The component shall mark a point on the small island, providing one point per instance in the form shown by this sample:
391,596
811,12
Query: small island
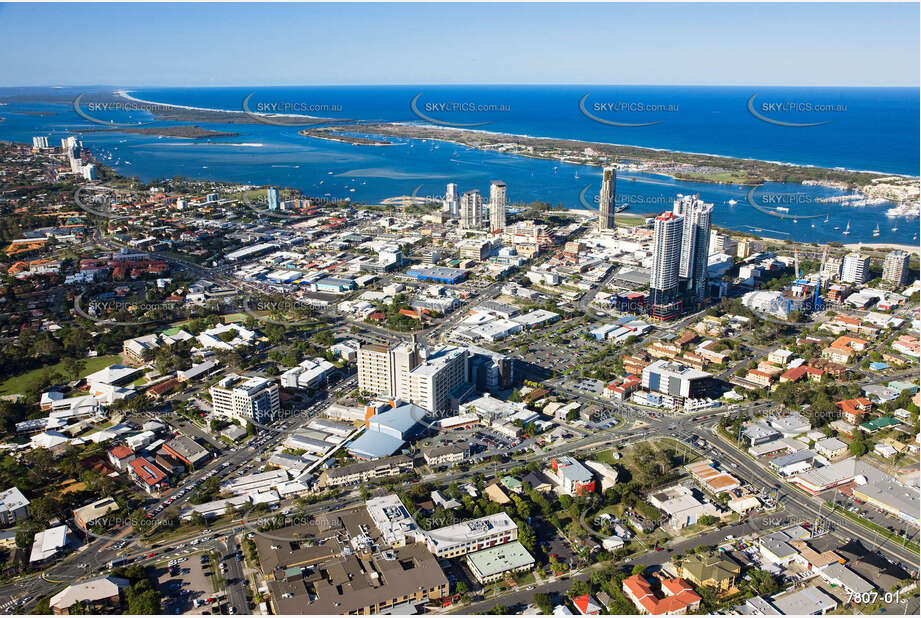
180,131
333,134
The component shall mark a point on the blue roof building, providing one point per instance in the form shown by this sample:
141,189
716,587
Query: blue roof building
387,432
402,422
439,274
374,445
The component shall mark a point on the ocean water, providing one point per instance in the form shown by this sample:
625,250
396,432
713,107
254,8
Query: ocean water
269,154
867,129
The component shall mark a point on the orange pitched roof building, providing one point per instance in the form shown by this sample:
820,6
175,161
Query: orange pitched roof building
679,598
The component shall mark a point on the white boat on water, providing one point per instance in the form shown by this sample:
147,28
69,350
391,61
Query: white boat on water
732,202
847,230
876,231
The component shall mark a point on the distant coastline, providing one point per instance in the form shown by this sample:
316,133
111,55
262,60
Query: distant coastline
207,114
680,165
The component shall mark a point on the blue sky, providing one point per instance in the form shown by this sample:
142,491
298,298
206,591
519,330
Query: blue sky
258,44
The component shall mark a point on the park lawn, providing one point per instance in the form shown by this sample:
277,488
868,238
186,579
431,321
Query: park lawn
32,379
629,220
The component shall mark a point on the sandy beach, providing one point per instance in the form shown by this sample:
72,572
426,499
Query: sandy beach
884,245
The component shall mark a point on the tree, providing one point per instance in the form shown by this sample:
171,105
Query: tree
542,601
24,538
579,588
144,603
527,537
857,447
638,569
706,520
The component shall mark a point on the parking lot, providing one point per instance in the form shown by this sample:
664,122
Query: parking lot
186,585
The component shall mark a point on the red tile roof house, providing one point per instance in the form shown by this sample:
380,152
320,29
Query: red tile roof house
793,375
148,476
120,456
587,605
853,410
679,598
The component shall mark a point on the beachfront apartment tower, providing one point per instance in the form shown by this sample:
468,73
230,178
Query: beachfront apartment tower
606,205
895,268
471,210
666,257
497,203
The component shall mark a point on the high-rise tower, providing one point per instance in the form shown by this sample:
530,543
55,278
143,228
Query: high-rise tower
497,202
695,242
471,210
666,255
606,199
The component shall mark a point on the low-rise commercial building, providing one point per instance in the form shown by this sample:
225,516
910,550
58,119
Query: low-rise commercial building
900,500
470,536
98,596
682,507
489,565
366,471
187,450
446,455
87,515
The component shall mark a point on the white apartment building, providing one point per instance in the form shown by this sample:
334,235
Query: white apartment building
451,201
895,268
246,399
497,203
855,268
471,210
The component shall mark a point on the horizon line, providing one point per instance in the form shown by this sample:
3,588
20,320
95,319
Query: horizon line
451,84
